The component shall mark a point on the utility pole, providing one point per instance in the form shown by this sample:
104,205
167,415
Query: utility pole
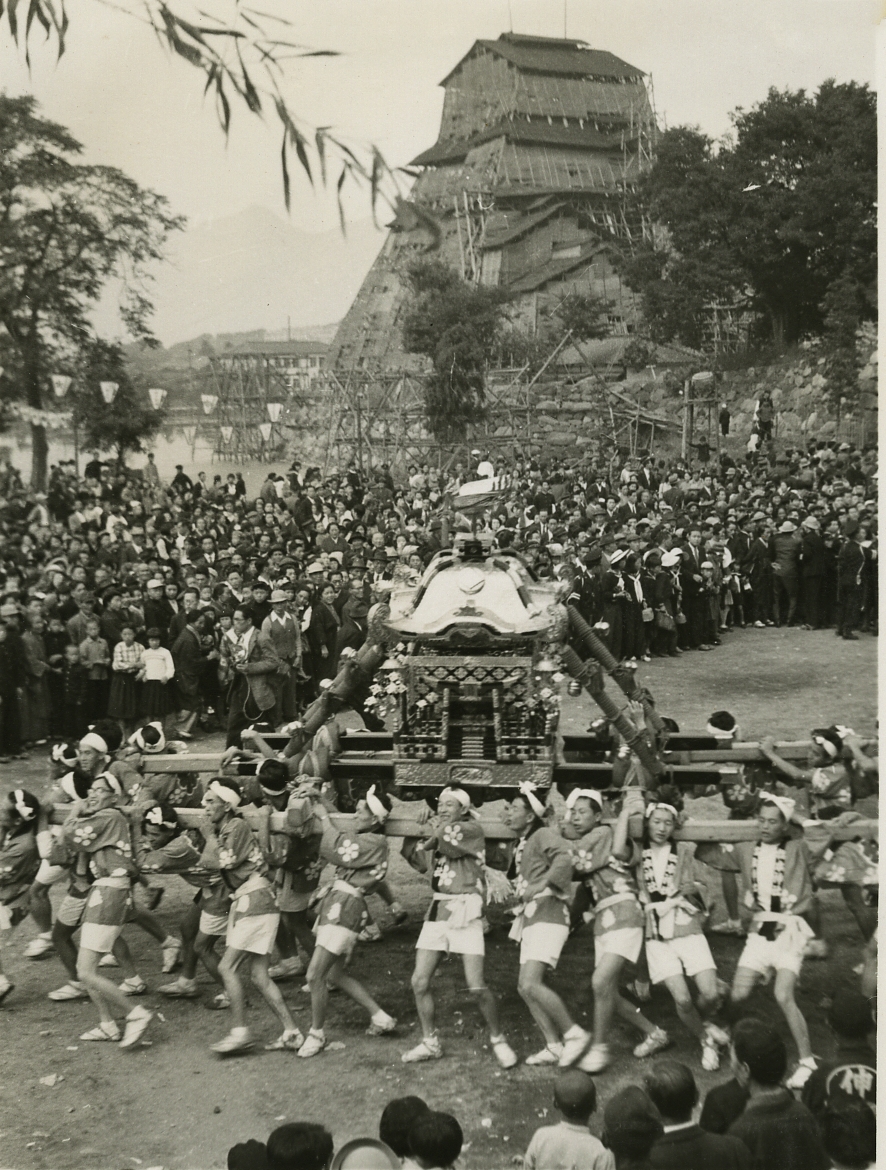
360,430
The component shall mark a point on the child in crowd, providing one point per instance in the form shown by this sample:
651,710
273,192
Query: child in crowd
570,1143
75,693
96,657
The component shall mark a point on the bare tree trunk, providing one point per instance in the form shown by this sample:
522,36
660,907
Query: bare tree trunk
39,445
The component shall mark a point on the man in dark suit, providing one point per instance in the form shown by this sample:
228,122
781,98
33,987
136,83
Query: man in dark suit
850,564
812,571
684,1145
252,695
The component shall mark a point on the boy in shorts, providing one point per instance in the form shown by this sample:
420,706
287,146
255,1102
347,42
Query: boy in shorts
454,923
603,858
779,891
361,862
232,850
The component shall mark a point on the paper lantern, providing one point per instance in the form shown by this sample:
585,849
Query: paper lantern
109,391
157,397
190,434
209,401
274,410
265,429
227,433
60,384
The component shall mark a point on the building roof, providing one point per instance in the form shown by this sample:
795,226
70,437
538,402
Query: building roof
519,130
557,266
277,349
553,56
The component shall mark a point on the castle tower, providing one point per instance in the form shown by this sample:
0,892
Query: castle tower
525,189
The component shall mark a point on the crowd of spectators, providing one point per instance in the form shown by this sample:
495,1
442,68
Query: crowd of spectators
751,1122
126,596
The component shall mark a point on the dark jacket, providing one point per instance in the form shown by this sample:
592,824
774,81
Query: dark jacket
781,1134
723,1105
812,554
694,1149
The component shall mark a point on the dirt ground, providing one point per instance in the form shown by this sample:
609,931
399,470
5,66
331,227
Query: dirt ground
173,1104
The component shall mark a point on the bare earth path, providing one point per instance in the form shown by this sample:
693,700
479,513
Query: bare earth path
174,1105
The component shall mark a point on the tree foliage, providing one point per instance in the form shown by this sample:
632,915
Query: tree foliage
66,231
129,421
843,308
770,217
456,326
241,54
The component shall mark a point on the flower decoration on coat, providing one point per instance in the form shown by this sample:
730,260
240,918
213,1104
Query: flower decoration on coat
348,851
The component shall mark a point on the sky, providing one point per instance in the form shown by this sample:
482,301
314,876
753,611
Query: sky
134,107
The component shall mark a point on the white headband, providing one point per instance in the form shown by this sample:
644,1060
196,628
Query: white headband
138,739
228,795
112,781
527,790
584,794
459,794
24,810
375,806
68,786
784,804
719,732
656,804
93,740
154,816
830,748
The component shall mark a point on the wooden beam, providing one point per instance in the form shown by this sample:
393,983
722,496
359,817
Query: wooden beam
400,824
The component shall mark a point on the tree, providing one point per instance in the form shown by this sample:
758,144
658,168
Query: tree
241,55
842,307
769,217
456,326
66,231
126,423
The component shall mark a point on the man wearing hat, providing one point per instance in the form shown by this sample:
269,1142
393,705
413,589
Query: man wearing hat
282,631
812,571
785,548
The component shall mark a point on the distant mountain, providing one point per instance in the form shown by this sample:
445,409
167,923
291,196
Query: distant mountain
253,270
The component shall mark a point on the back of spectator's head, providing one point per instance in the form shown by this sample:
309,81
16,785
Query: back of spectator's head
672,1090
575,1095
396,1120
251,1155
435,1140
299,1145
760,1048
365,1154
849,1135
850,1014
631,1124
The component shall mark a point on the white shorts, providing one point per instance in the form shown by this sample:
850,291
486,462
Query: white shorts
454,940
97,936
763,956
71,909
626,942
254,933
338,940
542,943
213,924
48,875
688,955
